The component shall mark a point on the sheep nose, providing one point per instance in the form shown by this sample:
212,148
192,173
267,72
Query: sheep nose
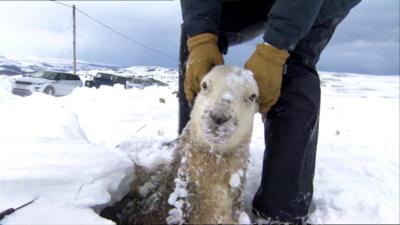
219,119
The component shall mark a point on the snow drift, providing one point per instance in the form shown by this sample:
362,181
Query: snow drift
76,153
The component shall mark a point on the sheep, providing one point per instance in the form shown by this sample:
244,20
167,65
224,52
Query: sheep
204,183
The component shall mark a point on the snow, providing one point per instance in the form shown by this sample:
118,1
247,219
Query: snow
77,153
146,188
234,181
244,218
177,198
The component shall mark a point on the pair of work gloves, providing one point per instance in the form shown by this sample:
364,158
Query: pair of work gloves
266,63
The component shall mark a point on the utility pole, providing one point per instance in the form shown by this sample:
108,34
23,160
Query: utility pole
74,37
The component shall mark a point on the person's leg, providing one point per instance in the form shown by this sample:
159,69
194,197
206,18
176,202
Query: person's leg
184,108
291,133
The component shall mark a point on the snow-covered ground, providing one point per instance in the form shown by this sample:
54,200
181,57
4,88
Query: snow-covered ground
76,153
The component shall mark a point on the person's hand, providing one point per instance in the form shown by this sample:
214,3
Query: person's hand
203,55
266,63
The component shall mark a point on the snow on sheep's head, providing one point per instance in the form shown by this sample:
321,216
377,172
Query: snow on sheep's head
224,109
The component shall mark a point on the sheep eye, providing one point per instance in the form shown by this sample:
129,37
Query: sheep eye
204,86
252,97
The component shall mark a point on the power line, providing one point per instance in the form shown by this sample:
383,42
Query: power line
125,36
116,31
61,3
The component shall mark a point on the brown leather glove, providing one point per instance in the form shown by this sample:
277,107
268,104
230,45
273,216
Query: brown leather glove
266,63
203,55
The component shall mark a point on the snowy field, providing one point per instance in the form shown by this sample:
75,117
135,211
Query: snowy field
76,153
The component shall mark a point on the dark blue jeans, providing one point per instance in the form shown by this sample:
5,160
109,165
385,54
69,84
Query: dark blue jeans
291,130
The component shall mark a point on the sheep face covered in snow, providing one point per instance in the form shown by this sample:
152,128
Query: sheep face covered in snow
224,108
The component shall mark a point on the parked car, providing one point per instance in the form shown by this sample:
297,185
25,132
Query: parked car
48,82
143,82
106,79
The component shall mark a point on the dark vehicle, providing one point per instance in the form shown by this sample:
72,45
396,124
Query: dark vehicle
143,82
106,79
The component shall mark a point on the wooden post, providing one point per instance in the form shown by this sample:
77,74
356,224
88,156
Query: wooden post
74,37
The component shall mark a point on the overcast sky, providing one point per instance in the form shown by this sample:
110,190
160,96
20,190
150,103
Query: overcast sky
367,41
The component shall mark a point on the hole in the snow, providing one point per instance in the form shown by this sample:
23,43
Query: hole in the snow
146,199
113,212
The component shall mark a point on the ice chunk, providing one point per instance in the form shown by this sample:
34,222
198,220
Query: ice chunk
175,216
145,188
234,181
244,218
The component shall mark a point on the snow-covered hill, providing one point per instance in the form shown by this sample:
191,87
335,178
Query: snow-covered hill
76,153
17,65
